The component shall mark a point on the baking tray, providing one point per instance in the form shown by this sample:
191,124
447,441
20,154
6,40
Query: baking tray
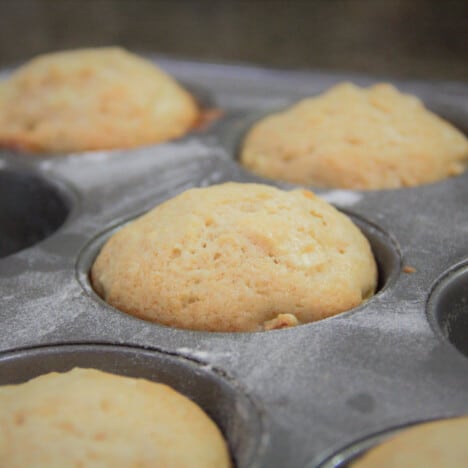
287,398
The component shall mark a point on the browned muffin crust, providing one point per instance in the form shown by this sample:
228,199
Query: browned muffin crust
91,99
349,137
237,257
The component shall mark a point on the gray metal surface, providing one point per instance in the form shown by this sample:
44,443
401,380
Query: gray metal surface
319,387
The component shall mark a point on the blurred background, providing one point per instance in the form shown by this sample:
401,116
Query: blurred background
400,38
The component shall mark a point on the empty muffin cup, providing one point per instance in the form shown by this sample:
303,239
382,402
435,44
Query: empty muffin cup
31,209
448,307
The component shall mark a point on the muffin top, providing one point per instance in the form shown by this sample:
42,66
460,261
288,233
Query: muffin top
91,99
236,257
91,418
349,137
430,445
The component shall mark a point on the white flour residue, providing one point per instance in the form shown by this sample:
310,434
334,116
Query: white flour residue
98,168
52,302
201,355
342,197
76,159
214,178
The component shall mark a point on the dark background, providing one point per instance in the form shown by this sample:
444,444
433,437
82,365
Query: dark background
401,38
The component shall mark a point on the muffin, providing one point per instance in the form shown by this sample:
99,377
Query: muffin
237,257
91,418
355,138
431,445
91,99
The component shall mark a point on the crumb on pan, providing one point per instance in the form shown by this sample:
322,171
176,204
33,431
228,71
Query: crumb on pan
409,269
207,117
281,321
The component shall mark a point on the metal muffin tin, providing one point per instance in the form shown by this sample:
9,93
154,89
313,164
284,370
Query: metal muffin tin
287,398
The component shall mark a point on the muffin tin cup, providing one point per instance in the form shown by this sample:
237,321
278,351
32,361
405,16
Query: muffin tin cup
234,413
345,457
32,207
316,388
448,307
234,133
349,454
384,247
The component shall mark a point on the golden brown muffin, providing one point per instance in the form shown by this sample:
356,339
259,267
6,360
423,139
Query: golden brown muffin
91,99
356,138
437,444
236,257
88,418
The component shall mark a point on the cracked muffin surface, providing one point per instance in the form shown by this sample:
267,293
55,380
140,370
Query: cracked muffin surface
237,257
91,99
90,418
355,138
